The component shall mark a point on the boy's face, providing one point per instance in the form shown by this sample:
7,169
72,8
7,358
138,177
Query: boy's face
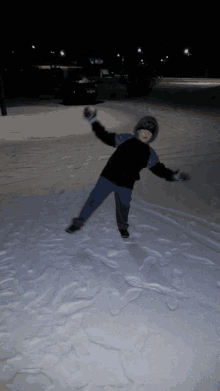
144,135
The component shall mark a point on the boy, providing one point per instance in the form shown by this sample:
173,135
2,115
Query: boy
122,169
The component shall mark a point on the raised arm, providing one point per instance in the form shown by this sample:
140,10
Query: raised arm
98,129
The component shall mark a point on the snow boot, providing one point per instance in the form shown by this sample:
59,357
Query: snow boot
72,228
124,233
75,226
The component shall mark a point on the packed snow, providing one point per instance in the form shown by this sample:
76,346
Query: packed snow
93,311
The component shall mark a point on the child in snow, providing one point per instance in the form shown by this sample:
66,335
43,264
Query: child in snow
133,153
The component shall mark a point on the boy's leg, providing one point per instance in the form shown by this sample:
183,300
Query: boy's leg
122,202
102,189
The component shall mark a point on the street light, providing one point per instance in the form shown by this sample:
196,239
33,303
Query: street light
122,63
62,53
186,51
51,65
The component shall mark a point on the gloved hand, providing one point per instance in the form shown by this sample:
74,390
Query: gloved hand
89,114
180,176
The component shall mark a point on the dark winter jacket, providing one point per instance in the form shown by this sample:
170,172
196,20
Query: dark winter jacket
131,156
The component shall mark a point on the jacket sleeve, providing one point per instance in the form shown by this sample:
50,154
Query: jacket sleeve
161,171
158,168
103,134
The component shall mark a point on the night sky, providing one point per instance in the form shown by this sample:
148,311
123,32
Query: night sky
104,29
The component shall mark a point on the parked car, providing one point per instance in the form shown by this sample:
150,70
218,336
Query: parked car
80,90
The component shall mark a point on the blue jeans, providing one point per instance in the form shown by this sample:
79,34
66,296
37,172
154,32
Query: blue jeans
100,192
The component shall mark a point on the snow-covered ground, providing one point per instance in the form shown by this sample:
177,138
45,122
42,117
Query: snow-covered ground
93,311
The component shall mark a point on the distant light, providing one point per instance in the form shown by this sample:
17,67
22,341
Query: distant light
118,55
33,47
186,51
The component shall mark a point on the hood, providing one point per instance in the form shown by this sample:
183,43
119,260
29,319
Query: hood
143,122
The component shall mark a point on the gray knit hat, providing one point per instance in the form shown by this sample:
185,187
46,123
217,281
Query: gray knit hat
149,123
